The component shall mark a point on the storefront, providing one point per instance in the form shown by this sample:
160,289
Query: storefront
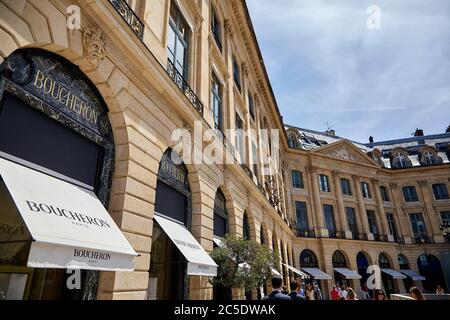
56,166
176,254
342,274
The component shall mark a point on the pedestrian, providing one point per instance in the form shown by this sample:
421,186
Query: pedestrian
277,285
284,290
416,294
379,295
365,292
343,293
310,292
439,290
334,294
295,293
351,295
317,293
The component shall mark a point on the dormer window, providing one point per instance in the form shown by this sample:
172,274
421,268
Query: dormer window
429,157
400,159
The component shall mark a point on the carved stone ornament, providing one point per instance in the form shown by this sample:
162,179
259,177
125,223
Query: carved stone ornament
343,153
94,45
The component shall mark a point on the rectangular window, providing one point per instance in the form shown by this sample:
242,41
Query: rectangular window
345,185
236,74
329,219
240,137
297,179
365,190
177,45
216,101
384,193
302,216
445,216
418,227
251,106
372,221
410,194
440,191
255,159
392,226
323,183
216,29
351,220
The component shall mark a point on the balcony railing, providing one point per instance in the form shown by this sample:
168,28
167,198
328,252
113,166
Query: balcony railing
306,233
422,239
178,78
227,144
380,237
247,170
129,16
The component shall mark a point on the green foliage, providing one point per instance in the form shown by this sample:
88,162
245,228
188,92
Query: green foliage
243,264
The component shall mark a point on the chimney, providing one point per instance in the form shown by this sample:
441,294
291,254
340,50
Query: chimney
330,132
448,129
370,139
418,133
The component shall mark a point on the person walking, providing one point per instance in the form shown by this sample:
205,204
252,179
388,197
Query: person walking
310,292
334,294
277,286
416,294
379,295
439,290
351,295
295,293
343,293
317,293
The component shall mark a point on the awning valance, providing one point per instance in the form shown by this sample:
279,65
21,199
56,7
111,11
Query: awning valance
394,274
413,275
347,273
295,270
67,225
199,261
316,273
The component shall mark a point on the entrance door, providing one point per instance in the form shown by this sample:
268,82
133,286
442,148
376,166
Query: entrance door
430,268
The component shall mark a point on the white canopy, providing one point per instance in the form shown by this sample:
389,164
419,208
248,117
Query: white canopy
413,275
199,261
295,270
316,273
394,274
69,226
347,273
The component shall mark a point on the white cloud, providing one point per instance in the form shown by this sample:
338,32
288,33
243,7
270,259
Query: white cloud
321,57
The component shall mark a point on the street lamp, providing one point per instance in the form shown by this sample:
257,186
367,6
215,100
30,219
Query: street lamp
445,227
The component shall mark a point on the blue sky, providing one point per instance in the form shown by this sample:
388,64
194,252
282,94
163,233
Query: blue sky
326,65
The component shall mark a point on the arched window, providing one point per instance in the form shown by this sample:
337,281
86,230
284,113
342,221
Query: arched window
403,262
246,228
308,259
400,159
429,157
220,215
383,261
377,156
339,260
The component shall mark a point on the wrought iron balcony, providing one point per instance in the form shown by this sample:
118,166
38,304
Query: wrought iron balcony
360,236
306,233
380,237
225,141
129,16
247,170
422,239
178,78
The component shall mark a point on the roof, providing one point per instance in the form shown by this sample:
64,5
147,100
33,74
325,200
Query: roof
310,140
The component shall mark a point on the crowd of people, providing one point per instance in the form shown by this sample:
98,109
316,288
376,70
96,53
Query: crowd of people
312,292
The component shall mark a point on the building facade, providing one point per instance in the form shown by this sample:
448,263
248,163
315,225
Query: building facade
120,82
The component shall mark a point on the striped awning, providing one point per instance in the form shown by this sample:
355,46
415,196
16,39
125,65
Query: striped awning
295,270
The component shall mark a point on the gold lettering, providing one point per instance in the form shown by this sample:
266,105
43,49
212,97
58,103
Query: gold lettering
60,97
51,84
70,98
39,77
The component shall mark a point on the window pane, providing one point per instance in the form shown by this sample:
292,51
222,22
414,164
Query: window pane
302,218
329,217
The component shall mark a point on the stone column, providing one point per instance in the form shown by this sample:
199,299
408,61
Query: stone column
321,231
381,213
342,219
362,208
431,215
403,225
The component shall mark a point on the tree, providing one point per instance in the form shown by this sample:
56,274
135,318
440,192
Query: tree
243,263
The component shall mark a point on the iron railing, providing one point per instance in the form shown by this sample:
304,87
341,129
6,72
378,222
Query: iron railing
129,16
422,239
247,170
306,233
380,237
178,78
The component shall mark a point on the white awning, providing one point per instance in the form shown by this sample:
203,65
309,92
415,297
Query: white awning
69,226
394,274
316,273
218,241
295,270
413,275
275,272
347,273
199,261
